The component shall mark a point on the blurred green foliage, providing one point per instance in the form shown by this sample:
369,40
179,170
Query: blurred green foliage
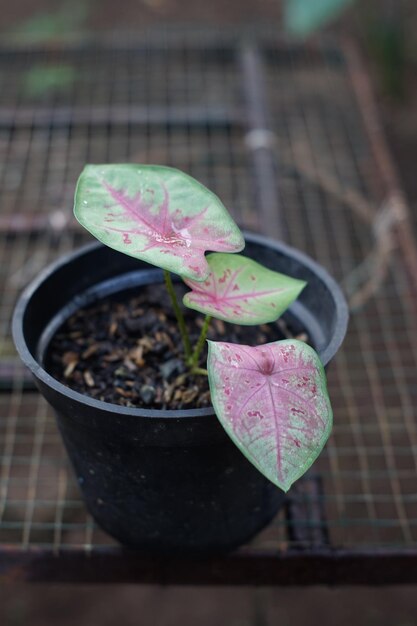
303,17
59,24
387,44
41,80
380,25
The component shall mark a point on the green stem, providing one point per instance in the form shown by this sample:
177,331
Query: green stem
200,342
199,370
180,318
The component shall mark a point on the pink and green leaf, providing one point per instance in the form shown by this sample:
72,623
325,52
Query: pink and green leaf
157,214
241,290
272,401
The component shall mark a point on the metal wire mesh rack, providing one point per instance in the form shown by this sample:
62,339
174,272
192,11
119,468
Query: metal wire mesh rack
288,137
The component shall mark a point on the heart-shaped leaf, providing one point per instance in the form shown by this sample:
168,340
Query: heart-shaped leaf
157,214
240,290
272,401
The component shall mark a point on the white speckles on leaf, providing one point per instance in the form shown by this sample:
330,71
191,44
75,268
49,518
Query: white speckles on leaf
240,290
280,415
157,214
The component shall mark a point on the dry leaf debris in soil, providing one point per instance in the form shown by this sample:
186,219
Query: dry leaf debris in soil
128,351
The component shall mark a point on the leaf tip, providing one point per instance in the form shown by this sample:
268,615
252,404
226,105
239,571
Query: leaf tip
285,488
284,485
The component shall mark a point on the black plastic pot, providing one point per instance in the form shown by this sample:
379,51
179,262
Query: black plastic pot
162,481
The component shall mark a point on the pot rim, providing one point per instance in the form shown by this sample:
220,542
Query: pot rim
342,315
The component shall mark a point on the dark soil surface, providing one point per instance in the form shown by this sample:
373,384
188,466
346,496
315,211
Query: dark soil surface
128,351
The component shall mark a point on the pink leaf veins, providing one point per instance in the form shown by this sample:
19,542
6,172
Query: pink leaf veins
272,400
157,214
241,290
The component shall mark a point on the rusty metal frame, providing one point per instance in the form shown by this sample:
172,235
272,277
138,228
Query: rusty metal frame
318,567
364,93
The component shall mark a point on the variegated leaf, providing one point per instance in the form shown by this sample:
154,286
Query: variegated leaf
272,400
241,290
157,214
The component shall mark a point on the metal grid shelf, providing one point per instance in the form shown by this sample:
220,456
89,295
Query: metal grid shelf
233,112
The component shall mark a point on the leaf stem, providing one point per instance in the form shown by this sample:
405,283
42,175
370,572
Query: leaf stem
180,317
199,370
200,342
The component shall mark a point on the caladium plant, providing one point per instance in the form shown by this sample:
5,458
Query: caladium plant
271,399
